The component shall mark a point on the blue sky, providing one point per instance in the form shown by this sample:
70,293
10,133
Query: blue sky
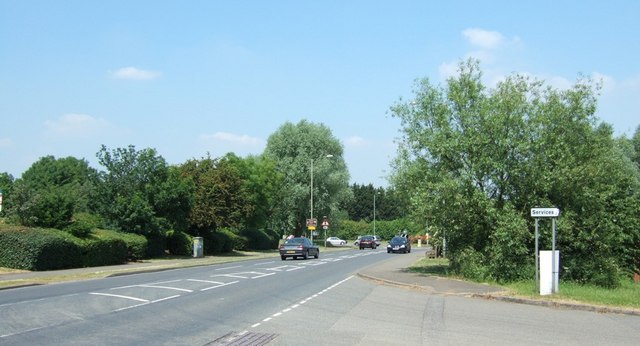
195,77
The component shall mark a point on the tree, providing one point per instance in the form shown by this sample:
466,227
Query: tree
295,148
262,183
473,161
139,193
388,203
220,199
52,190
6,188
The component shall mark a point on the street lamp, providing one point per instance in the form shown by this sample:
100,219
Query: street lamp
311,199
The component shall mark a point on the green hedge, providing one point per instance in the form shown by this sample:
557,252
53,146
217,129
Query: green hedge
41,249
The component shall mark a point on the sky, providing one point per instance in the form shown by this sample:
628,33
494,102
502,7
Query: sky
192,78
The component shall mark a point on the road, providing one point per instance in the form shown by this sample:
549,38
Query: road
318,301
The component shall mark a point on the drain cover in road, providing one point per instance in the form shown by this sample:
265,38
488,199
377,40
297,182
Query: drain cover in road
243,339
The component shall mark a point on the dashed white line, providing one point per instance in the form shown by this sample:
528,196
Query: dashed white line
300,303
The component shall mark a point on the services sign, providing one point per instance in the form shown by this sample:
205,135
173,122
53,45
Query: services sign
545,212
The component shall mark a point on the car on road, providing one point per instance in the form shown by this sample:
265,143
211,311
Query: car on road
399,244
335,241
367,241
299,247
375,238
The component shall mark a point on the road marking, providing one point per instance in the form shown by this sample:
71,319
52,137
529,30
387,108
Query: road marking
119,296
277,314
221,285
167,288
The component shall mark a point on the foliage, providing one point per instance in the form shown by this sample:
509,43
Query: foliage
39,249
6,188
83,224
259,239
473,161
51,191
179,243
388,204
140,194
220,196
103,249
297,149
136,244
262,183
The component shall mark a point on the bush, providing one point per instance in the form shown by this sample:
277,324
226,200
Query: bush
470,264
136,244
103,249
39,249
83,224
258,240
179,243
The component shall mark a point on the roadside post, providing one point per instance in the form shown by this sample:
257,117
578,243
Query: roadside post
325,227
553,256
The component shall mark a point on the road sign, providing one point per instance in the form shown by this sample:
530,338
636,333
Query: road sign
545,212
325,222
312,223
325,226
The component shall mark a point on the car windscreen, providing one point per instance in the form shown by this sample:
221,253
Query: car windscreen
397,241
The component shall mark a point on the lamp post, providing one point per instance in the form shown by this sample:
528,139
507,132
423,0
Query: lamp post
311,198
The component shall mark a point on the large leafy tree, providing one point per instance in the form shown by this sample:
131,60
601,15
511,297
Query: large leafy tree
474,160
6,188
262,183
52,190
220,197
296,149
139,193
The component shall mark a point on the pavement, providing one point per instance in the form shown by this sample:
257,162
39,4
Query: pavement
393,272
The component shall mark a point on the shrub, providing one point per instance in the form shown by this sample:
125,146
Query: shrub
136,244
39,249
83,224
470,264
258,240
103,249
179,243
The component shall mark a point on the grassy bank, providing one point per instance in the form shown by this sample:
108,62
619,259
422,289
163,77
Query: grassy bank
626,296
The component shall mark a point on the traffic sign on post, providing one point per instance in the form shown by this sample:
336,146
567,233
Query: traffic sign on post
545,212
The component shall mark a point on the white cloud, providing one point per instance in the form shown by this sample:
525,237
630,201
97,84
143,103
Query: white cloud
77,125
5,142
135,74
231,138
355,141
448,69
483,38
220,143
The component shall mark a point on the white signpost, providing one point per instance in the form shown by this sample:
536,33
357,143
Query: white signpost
550,274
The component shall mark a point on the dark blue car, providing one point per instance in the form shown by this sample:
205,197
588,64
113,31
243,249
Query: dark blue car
399,244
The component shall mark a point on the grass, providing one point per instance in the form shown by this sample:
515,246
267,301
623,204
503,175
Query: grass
626,296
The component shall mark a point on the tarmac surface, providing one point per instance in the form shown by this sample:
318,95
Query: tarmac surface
393,272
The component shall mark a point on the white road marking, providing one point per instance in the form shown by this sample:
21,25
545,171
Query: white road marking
300,303
119,296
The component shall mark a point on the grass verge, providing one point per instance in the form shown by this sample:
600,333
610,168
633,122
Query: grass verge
626,296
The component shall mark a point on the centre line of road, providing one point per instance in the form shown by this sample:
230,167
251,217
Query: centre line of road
279,313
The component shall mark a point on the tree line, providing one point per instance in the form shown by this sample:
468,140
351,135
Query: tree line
259,197
474,160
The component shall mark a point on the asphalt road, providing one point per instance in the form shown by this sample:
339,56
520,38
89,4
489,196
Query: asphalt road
334,300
